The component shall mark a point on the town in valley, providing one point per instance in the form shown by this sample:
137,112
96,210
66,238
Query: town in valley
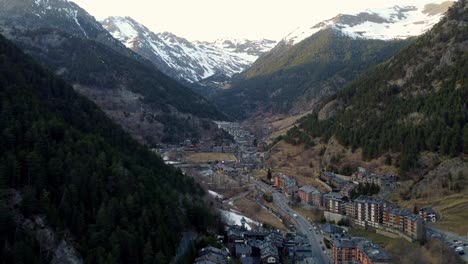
270,217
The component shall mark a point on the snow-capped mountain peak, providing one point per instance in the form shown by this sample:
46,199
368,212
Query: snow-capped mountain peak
396,22
183,59
125,29
251,47
62,15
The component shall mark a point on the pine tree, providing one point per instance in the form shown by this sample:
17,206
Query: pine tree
388,159
148,255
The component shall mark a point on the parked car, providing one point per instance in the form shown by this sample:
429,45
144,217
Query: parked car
460,250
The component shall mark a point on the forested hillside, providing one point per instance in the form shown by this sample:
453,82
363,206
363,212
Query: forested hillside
293,78
149,105
96,187
416,101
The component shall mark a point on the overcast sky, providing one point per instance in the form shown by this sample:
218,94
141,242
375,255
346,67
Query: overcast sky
212,19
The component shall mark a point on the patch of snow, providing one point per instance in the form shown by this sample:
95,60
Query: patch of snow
126,30
399,22
193,61
215,194
74,16
299,34
234,218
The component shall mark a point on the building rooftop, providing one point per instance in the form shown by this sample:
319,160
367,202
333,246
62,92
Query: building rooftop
340,181
413,217
237,231
398,211
247,260
308,189
214,250
332,229
243,250
428,210
255,243
328,174
211,258
346,241
368,199
303,252
333,195
374,251
268,249
289,181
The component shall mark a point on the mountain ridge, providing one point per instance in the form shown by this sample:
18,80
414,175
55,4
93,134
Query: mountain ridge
183,59
411,103
146,102
79,181
292,79
396,22
309,65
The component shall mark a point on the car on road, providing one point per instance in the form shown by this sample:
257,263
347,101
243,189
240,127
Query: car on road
295,215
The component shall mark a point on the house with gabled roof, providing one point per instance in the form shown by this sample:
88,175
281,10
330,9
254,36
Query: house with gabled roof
269,253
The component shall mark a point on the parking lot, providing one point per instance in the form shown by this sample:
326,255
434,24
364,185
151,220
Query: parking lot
457,243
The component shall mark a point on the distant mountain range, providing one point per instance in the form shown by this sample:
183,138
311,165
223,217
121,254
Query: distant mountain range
411,109
67,40
183,59
396,22
312,63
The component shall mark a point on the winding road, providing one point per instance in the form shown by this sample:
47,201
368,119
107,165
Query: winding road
303,226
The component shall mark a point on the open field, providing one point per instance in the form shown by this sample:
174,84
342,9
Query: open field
452,210
306,163
381,239
205,157
254,211
294,161
405,252
436,190
282,125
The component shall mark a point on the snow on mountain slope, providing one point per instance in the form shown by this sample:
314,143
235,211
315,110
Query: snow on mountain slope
246,46
396,22
63,15
180,58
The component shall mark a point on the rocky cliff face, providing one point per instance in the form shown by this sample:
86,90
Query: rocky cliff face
68,41
36,226
183,59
